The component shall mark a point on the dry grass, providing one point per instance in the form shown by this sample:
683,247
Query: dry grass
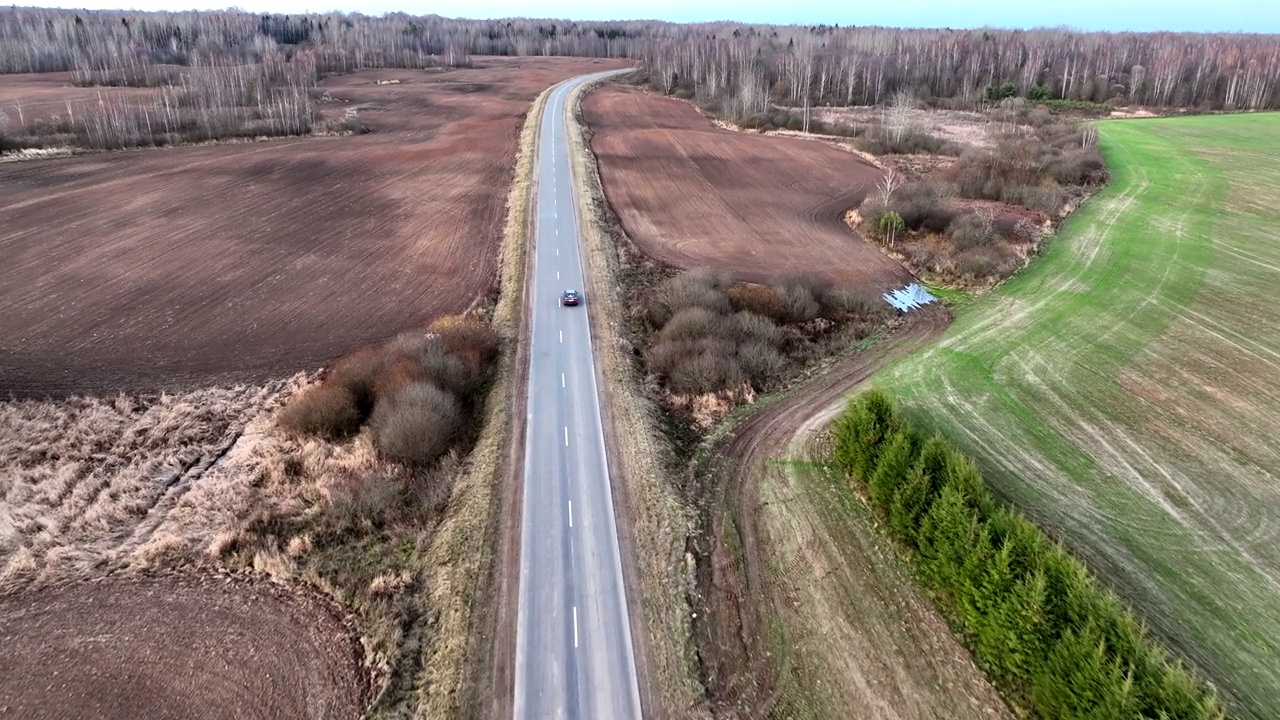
640,459
461,557
208,479
88,481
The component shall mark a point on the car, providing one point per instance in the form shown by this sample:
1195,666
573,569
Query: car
570,297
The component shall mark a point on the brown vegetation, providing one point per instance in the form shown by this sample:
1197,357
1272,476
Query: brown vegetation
415,391
691,195
197,265
714,343
978,219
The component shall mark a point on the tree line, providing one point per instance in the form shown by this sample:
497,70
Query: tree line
1049,636
744,67
731,62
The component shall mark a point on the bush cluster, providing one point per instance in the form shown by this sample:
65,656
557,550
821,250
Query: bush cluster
1047,633
714,334
784,119
909,142
413,391
1029,170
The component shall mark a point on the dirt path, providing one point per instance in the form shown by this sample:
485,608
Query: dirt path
188,647
751,585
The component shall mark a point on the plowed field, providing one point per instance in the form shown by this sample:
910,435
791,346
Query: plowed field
157,269
694,195
164,648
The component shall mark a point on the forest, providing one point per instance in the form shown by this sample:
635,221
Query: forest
744,66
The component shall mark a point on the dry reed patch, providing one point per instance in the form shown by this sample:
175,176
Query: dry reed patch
86,477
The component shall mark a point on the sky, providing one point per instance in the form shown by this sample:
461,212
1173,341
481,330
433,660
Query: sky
1141,15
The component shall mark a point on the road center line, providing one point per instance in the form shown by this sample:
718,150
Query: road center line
570,513
557,249
561,336
566,436
575,626
557,274
561,379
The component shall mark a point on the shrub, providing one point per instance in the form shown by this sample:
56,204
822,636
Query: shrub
415,425
358,373
761,363
758,299
397,372
969,231
924,206
910,142
691,323
467,336
815,285
1077,166
854,301
328,410
449,372
706,372
799,305
747,327
1044,198
984,262
663,356
703,289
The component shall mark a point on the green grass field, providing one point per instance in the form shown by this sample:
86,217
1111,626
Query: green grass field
1125,390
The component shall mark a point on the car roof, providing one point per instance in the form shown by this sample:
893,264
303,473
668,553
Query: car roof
570,292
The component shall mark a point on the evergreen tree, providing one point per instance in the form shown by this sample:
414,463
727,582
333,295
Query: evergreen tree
945,533
891,470
912,501
1081,679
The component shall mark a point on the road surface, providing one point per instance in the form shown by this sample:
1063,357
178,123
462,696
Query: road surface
574,657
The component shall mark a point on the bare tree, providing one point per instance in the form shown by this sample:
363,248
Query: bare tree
899,115
888,185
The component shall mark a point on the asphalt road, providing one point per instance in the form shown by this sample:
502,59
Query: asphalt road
574,657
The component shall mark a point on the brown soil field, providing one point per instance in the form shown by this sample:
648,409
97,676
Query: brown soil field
170,268
164,647
691,194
